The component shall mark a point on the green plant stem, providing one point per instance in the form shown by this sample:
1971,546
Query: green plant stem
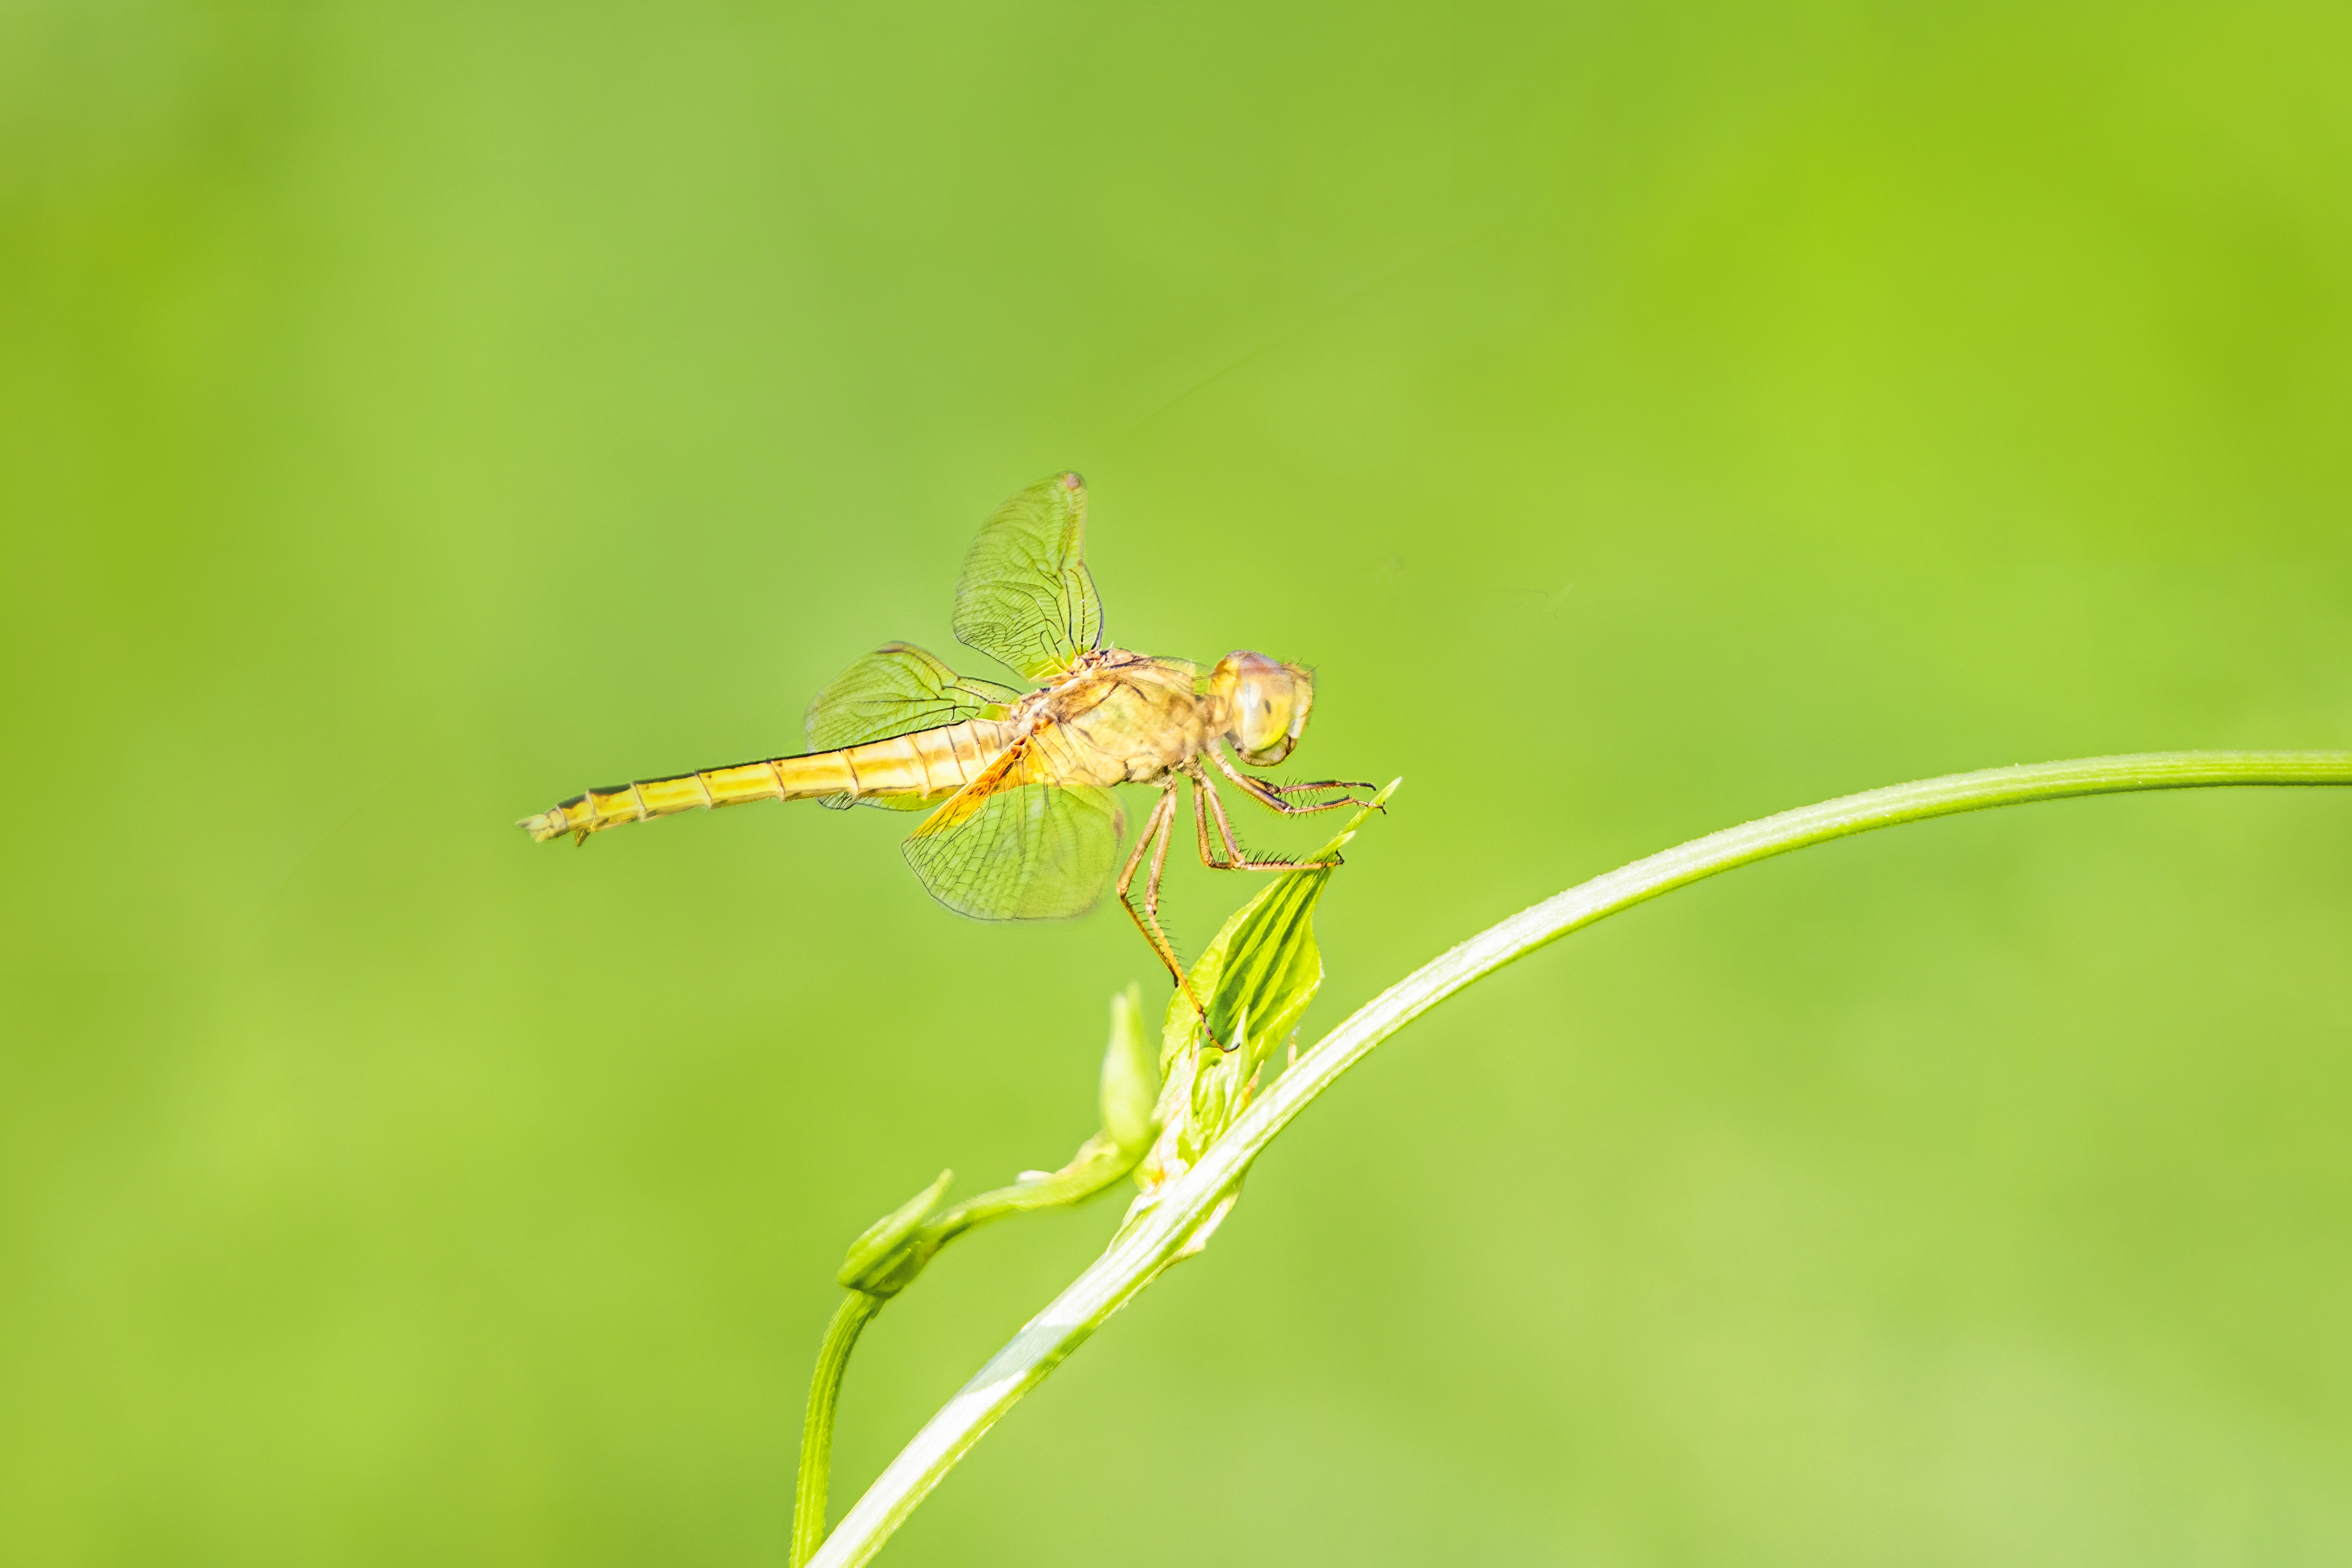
849,1321
1098,1166
1157,1237
896,1249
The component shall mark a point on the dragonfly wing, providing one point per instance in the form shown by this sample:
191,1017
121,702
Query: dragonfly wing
1012,846
1025,598
894,691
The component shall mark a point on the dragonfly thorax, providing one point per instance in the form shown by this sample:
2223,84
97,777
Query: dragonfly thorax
1120,716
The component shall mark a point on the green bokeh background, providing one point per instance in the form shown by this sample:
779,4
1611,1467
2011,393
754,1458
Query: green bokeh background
1644,416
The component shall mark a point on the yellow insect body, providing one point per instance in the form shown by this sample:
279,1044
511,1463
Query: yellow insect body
1025,826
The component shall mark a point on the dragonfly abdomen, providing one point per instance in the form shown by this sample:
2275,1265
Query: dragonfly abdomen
929,764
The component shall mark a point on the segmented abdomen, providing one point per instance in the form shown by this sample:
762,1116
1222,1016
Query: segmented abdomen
929,764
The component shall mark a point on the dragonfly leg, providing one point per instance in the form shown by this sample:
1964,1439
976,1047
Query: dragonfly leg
1159,856
1234,860
1156,830
1270,795
1202,795
1304,786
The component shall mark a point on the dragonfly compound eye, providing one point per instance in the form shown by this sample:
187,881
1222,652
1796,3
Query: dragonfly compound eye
1267,704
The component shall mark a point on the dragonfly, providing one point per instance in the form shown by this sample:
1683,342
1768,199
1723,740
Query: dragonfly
1023,823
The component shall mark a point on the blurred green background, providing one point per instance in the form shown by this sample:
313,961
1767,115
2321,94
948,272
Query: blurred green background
1645,418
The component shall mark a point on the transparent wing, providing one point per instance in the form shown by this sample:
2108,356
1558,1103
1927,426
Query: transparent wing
1010,846
894,691
1025,598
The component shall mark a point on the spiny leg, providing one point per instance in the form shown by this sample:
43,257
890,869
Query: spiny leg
1155,827
1270,795
1311,786
1203,790
1200,821
1160,857
1234,859
1154,838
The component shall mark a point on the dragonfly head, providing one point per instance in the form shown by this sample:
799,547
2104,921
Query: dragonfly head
1266,705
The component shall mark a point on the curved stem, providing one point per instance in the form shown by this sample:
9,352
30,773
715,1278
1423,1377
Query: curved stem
1157,1237
849,1321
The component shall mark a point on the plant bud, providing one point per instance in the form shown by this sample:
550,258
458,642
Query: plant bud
872,1253
1129,1078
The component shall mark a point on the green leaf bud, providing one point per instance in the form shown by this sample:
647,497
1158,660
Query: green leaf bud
1130,1078
873,1255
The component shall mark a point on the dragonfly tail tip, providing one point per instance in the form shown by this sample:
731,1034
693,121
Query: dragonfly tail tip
542,828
